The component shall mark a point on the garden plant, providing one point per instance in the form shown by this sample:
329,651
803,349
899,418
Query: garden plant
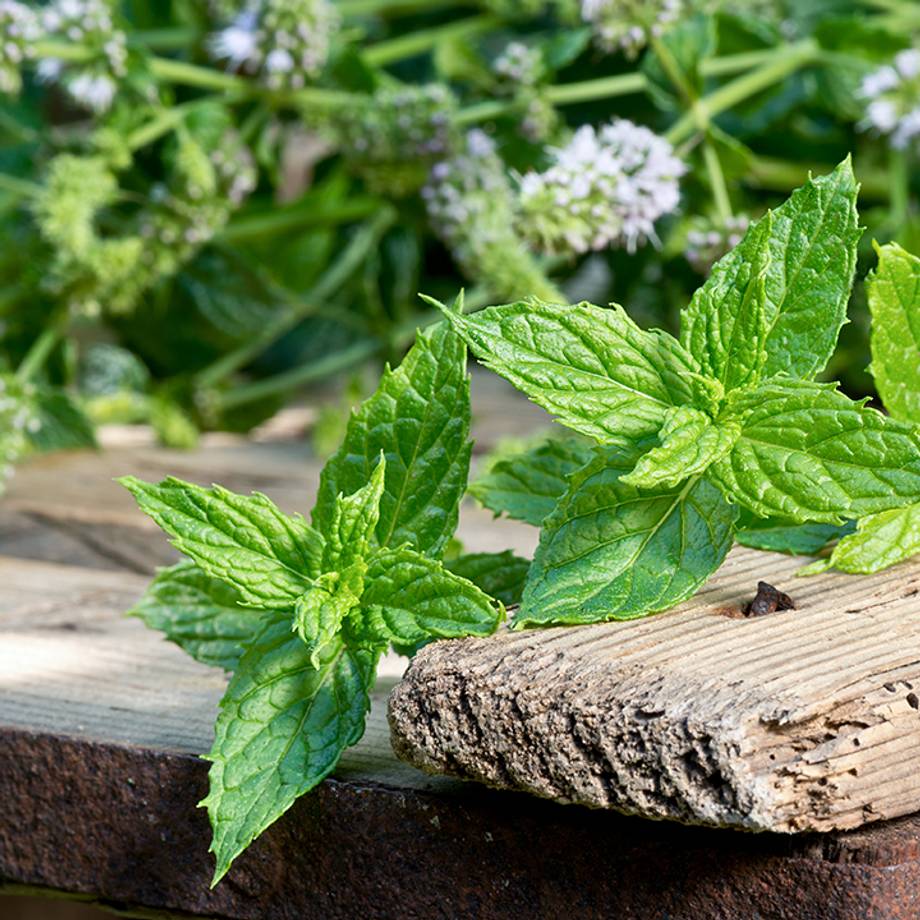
208,206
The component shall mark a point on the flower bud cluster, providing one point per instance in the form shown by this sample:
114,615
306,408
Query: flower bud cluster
91,24
627,25
393,137
20,27
892,96
711,238
471,205
285,42
605,188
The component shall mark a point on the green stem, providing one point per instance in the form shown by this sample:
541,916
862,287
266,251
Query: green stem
601,88
371,7
299,376
415,43
778,175
717,181
334,277
672,70
899,186
161,124
256,226
744,87
165,39
39,353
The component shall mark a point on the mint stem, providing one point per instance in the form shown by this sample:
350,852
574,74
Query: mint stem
40,351
340,271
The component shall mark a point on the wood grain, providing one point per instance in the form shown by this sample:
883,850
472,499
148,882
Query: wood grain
801,720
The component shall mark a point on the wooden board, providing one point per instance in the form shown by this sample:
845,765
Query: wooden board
800,720
102,722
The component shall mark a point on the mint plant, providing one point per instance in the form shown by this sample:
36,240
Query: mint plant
890,535
689,432
301,613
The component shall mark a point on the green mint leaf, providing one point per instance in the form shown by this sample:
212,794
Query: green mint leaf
59,423
894,302
320,610
812,259
526,487
809,453
354,522
725,326
783,536
246,541
283,725
594,368
409,597
201,614
812,263
500,575
690,443
612,552
419,418
881,540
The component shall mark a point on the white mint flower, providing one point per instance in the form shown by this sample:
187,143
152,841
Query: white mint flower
284,42
91,24
605,189
520,64
19,29
626,25
892,97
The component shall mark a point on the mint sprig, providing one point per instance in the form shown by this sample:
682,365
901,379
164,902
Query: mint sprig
301,613
692,432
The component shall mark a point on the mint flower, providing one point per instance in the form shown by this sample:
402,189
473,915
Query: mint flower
711,238
471,205
285,43
626,25
892,94
519,64
606,188
19,28
91,24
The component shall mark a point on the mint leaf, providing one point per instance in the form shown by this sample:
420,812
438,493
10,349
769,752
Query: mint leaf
526,487
409,597
283,725
725,326
320,610
354,522
807,452
894,302
812,262
783,536
201,614
594,368
690,443
881,540
500,575
612,552
243,540
419,418
809,274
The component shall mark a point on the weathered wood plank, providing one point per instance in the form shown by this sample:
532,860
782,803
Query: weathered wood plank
801,720
100,725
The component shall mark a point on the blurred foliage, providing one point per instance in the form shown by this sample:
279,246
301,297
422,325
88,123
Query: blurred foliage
205,207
